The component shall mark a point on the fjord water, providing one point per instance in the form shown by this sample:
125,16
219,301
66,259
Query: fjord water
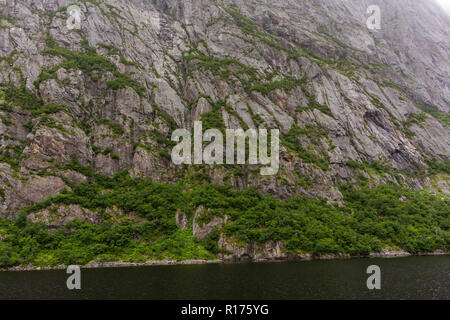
405,278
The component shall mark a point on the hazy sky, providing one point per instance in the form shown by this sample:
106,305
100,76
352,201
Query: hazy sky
445,4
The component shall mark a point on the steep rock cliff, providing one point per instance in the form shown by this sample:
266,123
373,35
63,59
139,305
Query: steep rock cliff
353,105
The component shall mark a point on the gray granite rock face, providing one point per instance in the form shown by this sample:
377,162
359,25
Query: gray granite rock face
186,58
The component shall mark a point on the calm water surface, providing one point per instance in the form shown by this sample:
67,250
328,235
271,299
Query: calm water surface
406,278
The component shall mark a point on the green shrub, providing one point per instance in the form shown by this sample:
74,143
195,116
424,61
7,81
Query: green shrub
369,220
292,142
91,64
436,167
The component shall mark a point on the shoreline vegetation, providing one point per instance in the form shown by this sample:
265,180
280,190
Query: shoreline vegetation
127,219
304,257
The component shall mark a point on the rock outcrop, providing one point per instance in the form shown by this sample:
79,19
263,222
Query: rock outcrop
110,94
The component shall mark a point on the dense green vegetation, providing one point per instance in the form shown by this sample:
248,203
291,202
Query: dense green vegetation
11,155
376,165
436,167
33,243
213,119
91,64
370,220
291,141
20,97
286,84
443,117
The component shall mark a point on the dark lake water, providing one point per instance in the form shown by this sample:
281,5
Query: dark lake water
405,278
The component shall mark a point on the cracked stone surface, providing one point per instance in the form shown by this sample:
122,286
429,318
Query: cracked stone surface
360,89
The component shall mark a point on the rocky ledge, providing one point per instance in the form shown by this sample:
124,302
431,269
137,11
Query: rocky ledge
232,259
